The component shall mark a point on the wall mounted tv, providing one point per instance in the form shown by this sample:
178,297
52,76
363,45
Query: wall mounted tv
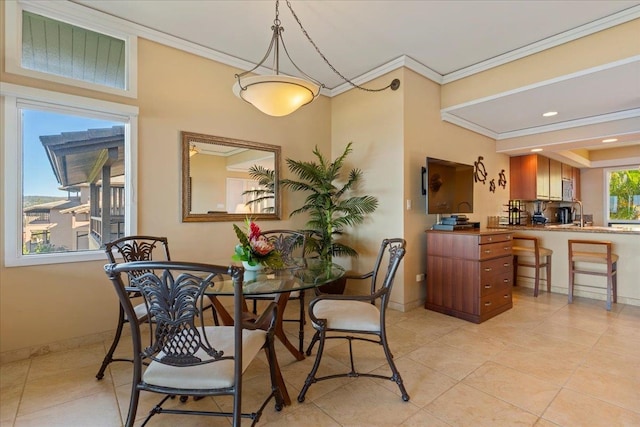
448,187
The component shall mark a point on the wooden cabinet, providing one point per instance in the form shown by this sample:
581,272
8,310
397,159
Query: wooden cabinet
576,183
567,172
469,273
535,177
529,177
555,180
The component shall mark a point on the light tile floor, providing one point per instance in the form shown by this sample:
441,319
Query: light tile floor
544,363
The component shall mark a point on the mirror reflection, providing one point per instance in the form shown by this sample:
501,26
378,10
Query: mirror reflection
226,179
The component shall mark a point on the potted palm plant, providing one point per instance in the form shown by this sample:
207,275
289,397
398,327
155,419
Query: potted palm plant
329,205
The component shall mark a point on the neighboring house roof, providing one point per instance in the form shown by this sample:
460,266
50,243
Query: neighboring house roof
78,157
85,208
59,205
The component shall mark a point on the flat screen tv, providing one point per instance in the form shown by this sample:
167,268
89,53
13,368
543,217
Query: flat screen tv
448,187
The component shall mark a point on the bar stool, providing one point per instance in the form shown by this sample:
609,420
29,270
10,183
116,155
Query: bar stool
595,252
524,246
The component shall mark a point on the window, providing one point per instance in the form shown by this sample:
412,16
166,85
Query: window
68,178
622,196
70,44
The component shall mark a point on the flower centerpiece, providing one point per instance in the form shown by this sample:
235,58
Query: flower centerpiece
254,249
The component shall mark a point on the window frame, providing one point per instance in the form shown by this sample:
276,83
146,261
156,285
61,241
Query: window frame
14,97
607,198
76,15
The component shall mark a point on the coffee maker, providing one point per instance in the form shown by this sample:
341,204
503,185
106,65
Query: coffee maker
565,215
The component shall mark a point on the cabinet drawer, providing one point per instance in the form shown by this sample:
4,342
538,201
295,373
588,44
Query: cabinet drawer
495,266
494,250
496,283
493,238
495,301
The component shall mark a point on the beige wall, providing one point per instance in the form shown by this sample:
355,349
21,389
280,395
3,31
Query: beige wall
427,135
393,133
592,193
177,91
373,122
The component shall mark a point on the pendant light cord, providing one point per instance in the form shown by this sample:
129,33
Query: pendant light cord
395,84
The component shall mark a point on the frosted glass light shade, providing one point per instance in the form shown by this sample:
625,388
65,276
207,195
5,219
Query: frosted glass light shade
276,95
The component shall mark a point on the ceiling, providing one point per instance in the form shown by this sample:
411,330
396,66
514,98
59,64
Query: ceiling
445,40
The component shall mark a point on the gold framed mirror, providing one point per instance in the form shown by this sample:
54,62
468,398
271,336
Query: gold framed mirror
225,179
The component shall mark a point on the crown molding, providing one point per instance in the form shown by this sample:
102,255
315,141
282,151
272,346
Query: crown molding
448,117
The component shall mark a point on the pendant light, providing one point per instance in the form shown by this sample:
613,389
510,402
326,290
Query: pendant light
278,94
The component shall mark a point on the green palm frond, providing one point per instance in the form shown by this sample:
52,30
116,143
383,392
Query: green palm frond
328,209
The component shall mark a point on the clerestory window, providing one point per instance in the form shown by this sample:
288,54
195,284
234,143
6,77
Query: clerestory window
64,43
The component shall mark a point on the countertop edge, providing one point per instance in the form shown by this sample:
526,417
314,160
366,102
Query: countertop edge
613,230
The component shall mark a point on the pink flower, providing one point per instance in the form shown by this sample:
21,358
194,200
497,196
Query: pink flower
261,245
254,231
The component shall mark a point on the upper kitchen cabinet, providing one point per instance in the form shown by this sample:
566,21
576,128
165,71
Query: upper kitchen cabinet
555,180
530,178
576,183
567,172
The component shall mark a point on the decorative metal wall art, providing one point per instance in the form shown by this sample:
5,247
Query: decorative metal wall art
492,185
480,172
502,179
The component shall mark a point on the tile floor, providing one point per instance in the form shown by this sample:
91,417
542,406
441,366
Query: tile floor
544,363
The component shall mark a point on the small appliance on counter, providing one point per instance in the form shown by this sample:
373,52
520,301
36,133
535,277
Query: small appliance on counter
565,215
538,217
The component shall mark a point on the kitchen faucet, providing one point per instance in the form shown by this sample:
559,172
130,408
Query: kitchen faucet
581,213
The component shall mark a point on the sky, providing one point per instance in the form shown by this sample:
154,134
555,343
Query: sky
38,177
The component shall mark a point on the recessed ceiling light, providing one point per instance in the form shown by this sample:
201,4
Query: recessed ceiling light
535,150
610,140
550,114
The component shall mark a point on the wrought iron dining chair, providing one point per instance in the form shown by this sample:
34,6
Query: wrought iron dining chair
341,316
291,245
180,354
136,248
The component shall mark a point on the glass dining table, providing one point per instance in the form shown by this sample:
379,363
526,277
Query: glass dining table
299,275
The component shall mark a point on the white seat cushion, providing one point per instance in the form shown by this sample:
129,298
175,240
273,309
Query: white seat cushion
141,311
348,315
209,375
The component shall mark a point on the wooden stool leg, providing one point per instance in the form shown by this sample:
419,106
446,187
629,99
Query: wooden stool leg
609,290
615,282
548,273
536,282
570,281
515,270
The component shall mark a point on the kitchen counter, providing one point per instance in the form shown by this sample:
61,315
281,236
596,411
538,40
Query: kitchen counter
626,243
569,227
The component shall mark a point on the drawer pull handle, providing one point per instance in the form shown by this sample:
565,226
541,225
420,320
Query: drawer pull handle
507,248
506,264
487,251
487,304
488,269
490,238
505,280
506,296
487,286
